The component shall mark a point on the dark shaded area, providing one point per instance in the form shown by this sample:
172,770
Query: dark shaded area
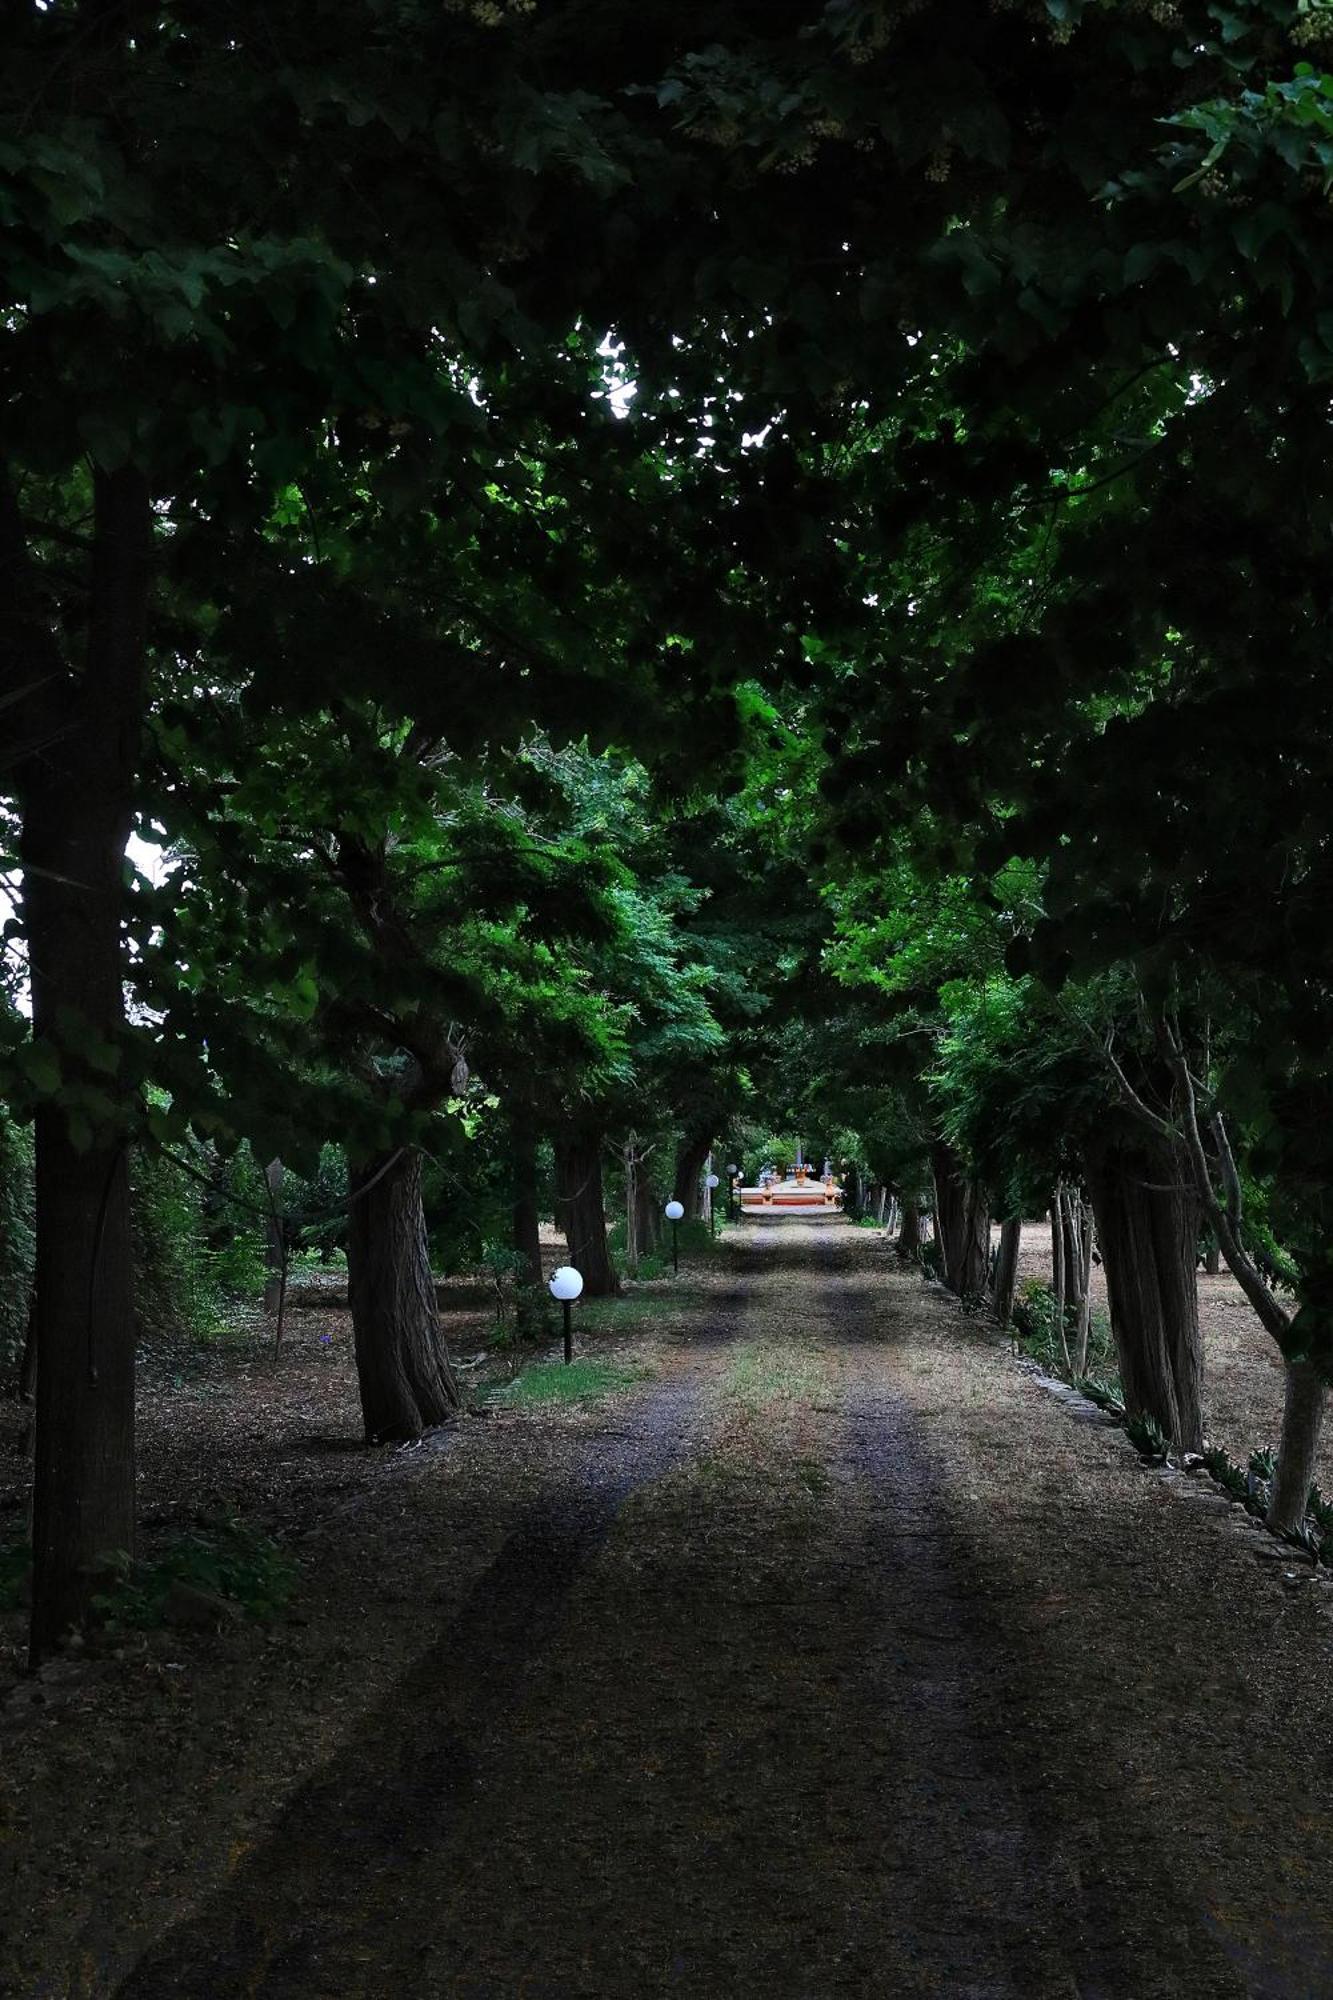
737,1710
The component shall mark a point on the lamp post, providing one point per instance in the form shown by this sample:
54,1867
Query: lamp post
711,1183
732,1172
566,1284
674,1210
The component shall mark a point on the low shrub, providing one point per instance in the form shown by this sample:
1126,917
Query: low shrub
224,1561
228,1561
1148,1438
1036,1332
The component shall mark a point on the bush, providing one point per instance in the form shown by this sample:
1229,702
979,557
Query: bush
227,1560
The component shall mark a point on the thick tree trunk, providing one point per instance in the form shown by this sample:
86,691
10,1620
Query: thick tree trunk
962,1225
526,1219
407,1383
688,1186
78,800
578,1172
1006,1268
1212,1257
1148,1227
1302,1421
908,1244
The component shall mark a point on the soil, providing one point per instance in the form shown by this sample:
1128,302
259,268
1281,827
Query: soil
830,1655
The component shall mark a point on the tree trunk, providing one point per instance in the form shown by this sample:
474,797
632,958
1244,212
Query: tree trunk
629,1154
688,1185
578,1174
407,1383
1072,1209
1302,1420
1212,1257
649,1211
1084,1286
78,801
962,1225
908,1245
275,1248
1148,1227
526,1220
1006,1268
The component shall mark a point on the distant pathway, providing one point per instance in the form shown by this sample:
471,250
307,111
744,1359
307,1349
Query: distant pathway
764,1698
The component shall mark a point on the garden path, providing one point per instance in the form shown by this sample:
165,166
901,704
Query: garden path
835,1659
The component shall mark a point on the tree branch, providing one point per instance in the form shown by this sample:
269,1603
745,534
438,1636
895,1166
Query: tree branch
1273,1316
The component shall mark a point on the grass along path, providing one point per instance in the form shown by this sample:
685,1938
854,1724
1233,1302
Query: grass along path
833,1659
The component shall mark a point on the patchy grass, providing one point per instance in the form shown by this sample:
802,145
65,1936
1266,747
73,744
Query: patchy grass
813,1476
630,1309
761,1374
558,1382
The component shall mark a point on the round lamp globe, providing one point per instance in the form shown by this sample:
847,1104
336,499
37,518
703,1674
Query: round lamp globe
711,1181
674,1211
566,1283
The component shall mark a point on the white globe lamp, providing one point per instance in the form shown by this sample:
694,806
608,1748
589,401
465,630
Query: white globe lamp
565,1284
674,1211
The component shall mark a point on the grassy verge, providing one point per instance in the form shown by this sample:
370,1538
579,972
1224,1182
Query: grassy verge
583,1381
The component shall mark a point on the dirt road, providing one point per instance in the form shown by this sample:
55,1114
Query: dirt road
833,1660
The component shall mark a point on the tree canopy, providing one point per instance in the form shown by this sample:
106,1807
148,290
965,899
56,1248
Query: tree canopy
656,573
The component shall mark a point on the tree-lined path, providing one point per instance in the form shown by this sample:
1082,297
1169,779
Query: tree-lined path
834,1659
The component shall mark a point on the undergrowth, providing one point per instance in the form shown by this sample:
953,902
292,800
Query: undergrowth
225,1559
15,1562
1036,1333
1252,1486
